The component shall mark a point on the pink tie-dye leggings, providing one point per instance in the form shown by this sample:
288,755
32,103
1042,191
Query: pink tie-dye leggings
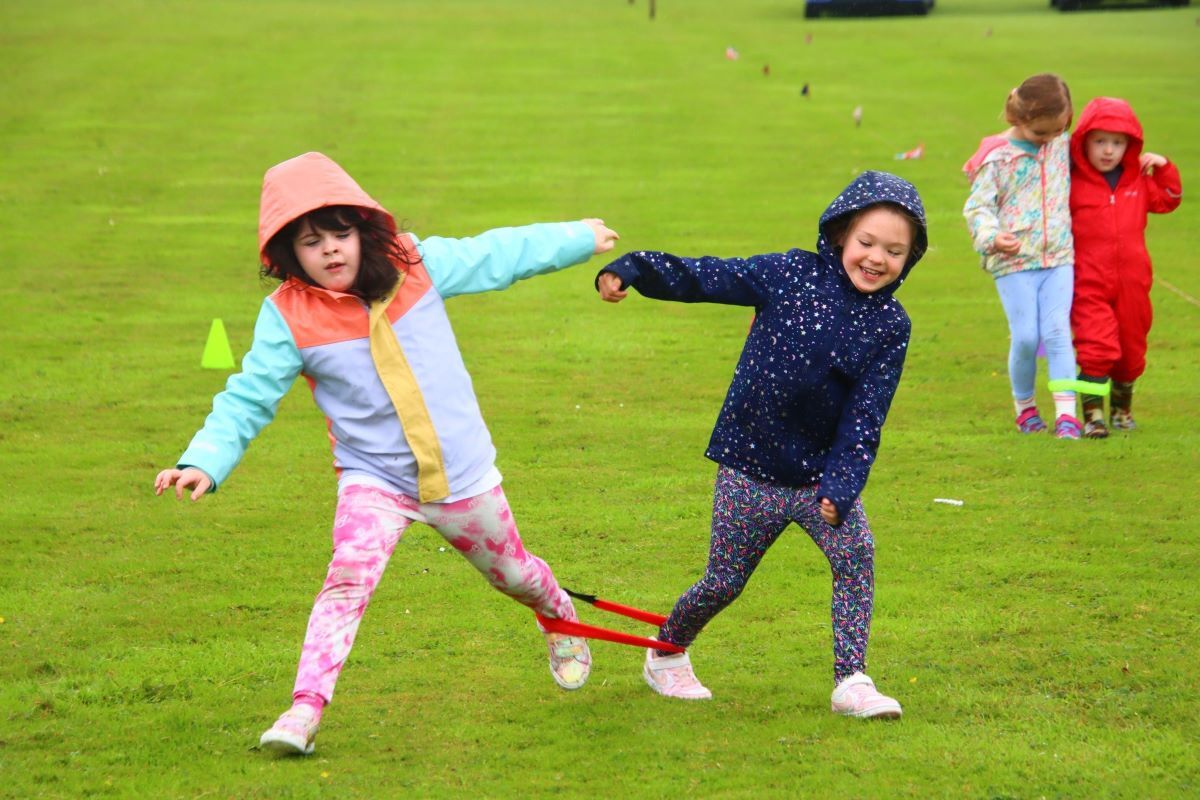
366,528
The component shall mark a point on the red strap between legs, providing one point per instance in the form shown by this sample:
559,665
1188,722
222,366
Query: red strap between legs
630,611
617,608
593,632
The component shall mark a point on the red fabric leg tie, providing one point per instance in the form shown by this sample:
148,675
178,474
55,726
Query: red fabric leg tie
593,632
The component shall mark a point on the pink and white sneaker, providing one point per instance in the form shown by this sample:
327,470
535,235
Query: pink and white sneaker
672,676
1067,427
857,696
1029,421
294,733
570,659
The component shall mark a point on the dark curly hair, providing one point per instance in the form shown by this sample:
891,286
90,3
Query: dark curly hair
382,258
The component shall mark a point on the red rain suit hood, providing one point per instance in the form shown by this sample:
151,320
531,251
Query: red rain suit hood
1106,114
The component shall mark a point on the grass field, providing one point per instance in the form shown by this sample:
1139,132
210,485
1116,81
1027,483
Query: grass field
1042,637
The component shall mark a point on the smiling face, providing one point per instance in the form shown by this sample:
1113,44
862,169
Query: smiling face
330,258
1041,130
1105,149
876,248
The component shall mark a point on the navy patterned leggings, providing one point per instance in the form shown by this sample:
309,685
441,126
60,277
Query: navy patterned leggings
748,517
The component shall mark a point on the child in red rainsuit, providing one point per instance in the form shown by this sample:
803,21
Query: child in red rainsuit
1114,184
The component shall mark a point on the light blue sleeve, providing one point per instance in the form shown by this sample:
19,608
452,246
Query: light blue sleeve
249,400
499,258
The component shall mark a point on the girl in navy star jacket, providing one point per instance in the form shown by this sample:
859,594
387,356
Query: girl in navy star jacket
801,422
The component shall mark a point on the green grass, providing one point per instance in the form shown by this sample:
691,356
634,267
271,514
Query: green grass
1042,637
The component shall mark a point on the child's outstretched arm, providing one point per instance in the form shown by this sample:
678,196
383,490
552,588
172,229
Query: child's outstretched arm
243,409
1164,189
662,276
499,258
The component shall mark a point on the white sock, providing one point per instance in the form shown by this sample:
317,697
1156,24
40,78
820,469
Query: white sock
1064,403
1029,402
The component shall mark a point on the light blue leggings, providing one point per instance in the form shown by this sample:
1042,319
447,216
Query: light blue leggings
1038,306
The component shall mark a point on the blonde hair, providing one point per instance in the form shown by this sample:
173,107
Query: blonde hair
1044,95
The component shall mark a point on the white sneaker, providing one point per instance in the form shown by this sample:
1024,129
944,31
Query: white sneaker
857,696
294,733
570,659
672,676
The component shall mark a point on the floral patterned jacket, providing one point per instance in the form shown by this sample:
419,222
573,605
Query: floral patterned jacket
1025,193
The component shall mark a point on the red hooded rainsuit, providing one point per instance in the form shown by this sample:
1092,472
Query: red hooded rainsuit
1111,312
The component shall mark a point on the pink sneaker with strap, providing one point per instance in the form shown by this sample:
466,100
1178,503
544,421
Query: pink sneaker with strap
672,676
1029,421
1067,427
294,733
857,696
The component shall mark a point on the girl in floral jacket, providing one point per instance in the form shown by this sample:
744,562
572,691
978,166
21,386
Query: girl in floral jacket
1019,216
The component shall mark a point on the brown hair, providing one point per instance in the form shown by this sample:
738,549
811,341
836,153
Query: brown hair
1044,95
837,229
382,257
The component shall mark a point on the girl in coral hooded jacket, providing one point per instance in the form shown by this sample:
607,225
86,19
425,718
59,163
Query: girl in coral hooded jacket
1114,185
360,315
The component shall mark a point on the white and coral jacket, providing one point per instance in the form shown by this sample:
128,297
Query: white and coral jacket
323,335
1026,191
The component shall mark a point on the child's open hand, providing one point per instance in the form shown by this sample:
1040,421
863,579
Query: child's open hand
180,478
1006,243
605,236
609,286
1148,161
829,512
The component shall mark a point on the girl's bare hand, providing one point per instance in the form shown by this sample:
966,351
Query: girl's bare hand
605,237
1148,162
609,285
1006,243
182,478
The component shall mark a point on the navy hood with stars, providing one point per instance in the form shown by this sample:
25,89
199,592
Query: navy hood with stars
868,189
822,360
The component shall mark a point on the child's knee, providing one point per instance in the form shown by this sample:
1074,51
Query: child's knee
722,588
854,551
1057,333
348,582
1025,343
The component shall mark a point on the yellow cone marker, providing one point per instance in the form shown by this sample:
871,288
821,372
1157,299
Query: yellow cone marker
217,354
